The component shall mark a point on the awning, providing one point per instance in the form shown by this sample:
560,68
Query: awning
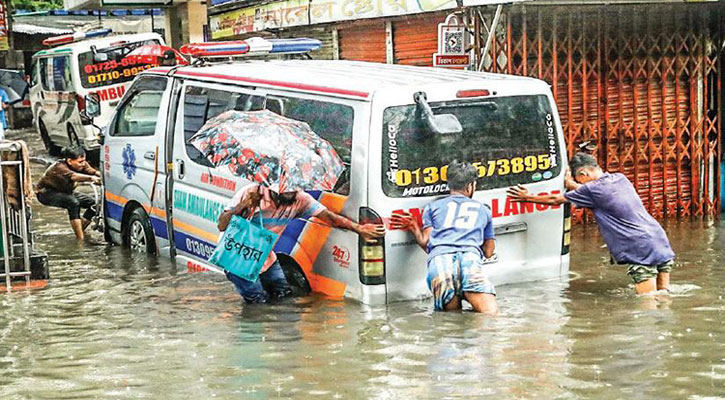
30,29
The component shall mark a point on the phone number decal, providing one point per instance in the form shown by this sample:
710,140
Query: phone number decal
109,65
114,75
500,167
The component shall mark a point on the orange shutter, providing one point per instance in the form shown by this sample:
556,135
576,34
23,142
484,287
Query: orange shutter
415,40
363,43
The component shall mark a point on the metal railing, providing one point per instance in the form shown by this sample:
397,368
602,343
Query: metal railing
14,221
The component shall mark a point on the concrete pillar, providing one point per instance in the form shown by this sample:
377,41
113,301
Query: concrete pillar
185,23
197,19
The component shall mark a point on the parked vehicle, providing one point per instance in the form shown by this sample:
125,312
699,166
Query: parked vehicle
90,62
395,128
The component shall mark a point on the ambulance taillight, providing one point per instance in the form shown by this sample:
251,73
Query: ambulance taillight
371,263
566,237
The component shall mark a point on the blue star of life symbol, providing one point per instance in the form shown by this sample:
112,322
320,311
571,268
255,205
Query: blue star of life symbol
129,161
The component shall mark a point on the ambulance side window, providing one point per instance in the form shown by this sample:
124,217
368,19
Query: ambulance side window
202,104
34,73
331,121
45,73
62,78
139,113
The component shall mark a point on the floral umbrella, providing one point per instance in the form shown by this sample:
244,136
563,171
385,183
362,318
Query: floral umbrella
261,146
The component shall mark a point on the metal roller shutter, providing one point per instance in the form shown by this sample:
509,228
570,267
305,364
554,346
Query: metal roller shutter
363,43
640,82
416,39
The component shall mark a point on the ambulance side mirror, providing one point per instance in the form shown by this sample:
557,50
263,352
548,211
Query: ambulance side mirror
93,105
100,57
441,124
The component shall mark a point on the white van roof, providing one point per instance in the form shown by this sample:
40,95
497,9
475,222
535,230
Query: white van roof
339,77
102,42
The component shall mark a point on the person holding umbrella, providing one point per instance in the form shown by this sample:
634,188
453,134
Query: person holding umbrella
278,207
13,88
4,105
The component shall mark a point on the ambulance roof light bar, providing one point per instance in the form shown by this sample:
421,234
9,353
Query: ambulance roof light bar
250,47
74,37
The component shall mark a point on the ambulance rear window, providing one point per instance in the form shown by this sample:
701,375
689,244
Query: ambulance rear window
117,69
510,140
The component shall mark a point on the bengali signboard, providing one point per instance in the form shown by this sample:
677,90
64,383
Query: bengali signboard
290,13
4,31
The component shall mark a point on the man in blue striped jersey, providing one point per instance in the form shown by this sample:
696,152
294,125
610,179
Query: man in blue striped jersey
457,234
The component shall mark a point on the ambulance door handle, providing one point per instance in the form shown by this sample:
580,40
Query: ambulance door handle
180,169
149,155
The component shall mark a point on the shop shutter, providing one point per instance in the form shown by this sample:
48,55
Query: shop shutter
416,39
363,43
638,82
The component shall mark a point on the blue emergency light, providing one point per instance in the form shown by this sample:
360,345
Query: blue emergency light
301,45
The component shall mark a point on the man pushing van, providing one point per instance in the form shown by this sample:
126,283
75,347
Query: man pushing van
457,233
633,237
277,211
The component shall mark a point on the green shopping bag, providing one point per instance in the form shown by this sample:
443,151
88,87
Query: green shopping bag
244,248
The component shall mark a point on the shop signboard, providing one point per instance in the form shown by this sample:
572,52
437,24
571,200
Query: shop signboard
453,44
284,14
4,31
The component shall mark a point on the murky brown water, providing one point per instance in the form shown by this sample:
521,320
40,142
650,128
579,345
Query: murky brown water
113,325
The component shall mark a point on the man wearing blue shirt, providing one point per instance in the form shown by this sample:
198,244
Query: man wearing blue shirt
457,234
4,105
633,236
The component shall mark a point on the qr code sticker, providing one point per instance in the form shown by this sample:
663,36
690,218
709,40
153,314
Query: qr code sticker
454,42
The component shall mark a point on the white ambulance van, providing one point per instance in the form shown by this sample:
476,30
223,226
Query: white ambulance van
164,197
82,63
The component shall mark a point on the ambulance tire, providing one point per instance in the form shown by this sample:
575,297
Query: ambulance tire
138,235
295,277
52,149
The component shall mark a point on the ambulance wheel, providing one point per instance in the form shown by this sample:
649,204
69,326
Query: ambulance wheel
52,149
139,235
295,277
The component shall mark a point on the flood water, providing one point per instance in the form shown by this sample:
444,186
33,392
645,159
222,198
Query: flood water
115,325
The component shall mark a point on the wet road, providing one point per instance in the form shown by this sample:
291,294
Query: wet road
114,325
